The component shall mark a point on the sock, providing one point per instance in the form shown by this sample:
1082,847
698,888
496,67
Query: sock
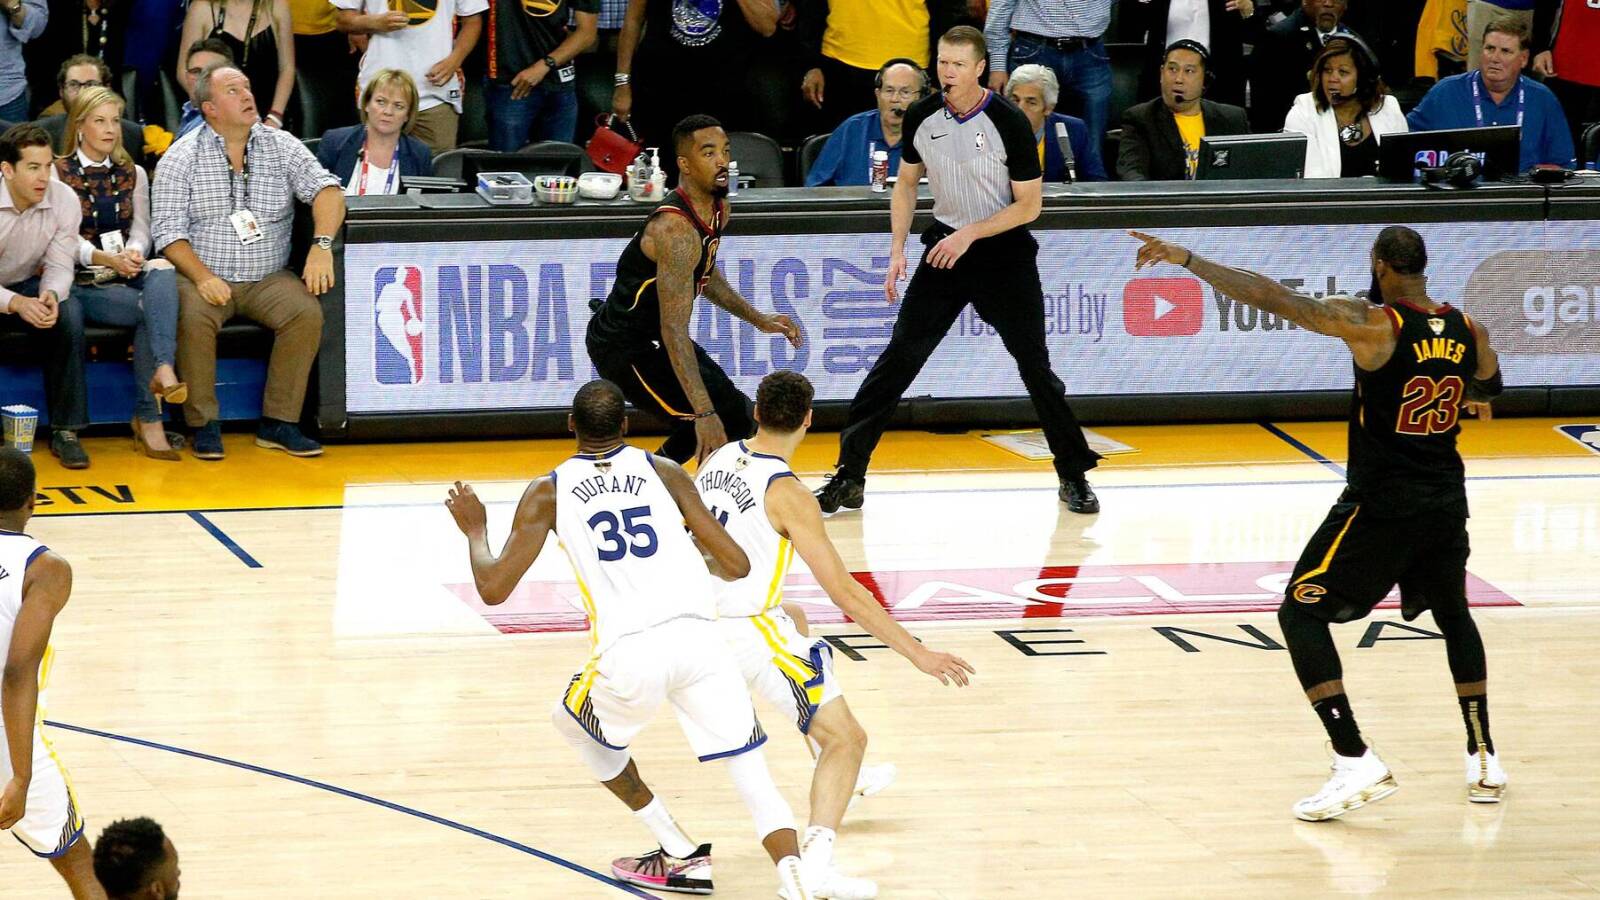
666,830
816,849
1475,713
1340,723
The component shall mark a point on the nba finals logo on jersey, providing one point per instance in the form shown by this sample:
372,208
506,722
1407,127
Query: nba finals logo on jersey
538,9
398,355
1559,310
1587,436
1437,325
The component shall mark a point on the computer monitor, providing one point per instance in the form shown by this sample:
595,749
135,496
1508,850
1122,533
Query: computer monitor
559,161
1401,155
1234,156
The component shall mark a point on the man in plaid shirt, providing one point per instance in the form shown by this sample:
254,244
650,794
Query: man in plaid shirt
222,207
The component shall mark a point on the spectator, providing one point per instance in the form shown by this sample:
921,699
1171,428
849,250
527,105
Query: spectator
1161,138
114,235
149,45
80,73
695,58
1441,43
23,21
38,247
425,49
373,157
229,238
1481,12
325,59
531,92
1064,36
846,44
1223,27
1567,53
201,55
1497,94
135,860
845,158
74,27
1034,89
258,35
1284,56
1347,110
597,68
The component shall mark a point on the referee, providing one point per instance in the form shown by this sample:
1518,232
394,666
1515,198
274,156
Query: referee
983,166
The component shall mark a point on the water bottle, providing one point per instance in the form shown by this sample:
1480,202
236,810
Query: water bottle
733,177
880,171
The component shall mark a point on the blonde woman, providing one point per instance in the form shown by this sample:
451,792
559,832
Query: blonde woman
125,288
373,157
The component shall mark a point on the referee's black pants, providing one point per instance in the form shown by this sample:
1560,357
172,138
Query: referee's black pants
999,276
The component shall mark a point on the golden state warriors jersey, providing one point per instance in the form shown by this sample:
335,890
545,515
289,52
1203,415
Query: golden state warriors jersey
733,482
624,534
16,552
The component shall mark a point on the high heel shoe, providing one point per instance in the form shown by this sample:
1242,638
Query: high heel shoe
170,455
175,394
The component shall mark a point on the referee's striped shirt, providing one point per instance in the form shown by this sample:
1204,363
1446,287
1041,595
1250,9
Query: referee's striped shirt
971,160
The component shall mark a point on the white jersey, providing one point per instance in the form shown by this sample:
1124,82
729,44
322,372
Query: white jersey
623,532
733,482
16,551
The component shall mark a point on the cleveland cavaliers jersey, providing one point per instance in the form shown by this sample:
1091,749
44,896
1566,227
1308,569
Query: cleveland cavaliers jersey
631,313
733,482
624,534
16,552
1404,416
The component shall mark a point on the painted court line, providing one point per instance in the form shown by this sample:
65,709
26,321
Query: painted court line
1303,448
228,542
364,798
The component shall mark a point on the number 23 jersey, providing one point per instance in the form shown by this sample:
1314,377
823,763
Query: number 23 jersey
1404,417
636,564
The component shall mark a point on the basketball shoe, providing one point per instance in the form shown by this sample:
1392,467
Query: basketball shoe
791,880
871,780
1355,782
1486,781
663,872
841,493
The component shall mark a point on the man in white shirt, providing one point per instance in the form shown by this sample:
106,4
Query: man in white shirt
420,43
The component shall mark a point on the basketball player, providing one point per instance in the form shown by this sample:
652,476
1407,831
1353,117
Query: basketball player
638,337
751,490
619,513
1403,516
37,805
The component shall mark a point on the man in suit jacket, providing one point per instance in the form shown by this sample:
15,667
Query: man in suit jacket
1161,138
1223,26
1284,55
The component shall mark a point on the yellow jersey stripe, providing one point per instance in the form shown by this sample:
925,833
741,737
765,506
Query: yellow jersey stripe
657,397
1328,559
779,570
781,657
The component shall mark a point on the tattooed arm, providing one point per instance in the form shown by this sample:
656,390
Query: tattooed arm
675,246
720,292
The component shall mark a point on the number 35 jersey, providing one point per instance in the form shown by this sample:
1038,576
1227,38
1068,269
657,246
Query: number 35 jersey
636,564
1404,416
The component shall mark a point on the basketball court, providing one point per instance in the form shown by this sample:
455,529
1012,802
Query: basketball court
284,662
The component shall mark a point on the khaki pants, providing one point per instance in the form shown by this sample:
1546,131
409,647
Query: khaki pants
279,301
436,126
1479,14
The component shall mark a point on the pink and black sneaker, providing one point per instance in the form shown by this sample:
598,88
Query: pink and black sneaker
663,872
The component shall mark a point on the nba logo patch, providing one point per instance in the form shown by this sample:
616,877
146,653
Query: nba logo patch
398,355
978,140
1586,435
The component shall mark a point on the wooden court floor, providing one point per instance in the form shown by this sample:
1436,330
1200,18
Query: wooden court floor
279,661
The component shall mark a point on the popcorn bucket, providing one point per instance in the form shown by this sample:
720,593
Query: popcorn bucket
20,422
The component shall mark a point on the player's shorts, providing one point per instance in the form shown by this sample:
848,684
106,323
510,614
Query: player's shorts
682,661
52,823
792,672
1355,559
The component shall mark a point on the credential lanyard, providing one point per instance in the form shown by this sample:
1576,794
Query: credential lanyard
1477,98
388,181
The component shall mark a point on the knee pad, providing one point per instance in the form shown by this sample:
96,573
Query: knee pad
755,786
604,762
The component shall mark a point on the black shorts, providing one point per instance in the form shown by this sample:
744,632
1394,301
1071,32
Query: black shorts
1355,559
650,383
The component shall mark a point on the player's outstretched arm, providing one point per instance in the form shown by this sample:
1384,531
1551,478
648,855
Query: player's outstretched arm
1352,320
45,589
713,539
494,576
673,243
795,514
1486,382
720,292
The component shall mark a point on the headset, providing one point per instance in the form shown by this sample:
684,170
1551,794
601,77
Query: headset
1460,170
1367,75
1197,48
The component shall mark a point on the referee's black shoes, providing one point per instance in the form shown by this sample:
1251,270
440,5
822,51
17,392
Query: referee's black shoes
841,492
1078,495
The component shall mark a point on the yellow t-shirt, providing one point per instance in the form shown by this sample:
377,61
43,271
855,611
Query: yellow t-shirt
868,33
1192,128
313,16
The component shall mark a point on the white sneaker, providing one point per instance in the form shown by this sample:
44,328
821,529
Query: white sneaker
872,780
1355,782
834,886
791,883
1486,781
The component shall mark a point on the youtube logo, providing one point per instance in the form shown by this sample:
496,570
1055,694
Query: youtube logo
1163,307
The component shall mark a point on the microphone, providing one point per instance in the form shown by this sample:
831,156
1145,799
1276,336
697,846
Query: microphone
1065,144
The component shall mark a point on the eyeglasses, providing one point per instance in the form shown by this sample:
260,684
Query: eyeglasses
80,85
195,70
899,93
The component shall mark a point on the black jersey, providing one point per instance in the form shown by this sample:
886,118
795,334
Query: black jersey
631,314
1403,419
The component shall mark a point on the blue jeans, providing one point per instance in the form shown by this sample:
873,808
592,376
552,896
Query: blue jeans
546,114
149,303
1084,75
15,111
66,384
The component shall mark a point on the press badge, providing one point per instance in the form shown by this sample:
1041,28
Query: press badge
567,73
244,223
111,242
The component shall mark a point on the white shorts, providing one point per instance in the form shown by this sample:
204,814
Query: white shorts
792,672
682,661
51,824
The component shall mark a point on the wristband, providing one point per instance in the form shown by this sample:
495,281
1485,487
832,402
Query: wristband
275,116
551,62
621,78
1186,262
705,415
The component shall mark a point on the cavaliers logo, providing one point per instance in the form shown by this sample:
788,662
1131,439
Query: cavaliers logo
1309,593
538,9
417,11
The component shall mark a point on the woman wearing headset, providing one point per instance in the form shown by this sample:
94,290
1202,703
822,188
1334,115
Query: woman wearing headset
1346,112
